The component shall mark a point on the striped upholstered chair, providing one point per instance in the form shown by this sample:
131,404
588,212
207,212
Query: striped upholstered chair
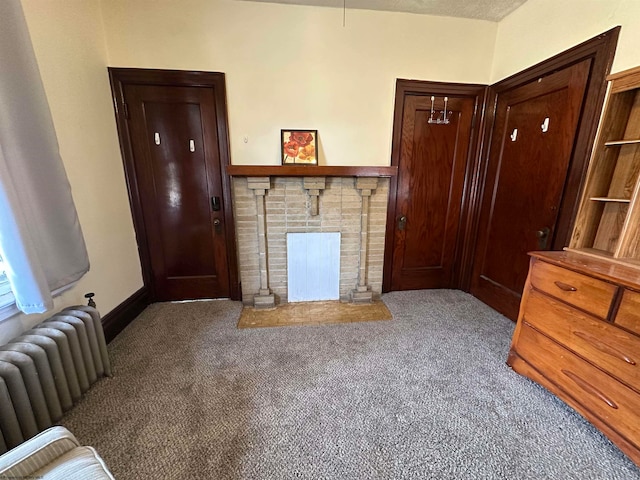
54,454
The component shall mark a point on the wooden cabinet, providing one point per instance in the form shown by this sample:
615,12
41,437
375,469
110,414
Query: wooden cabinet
629,313
578,331
578,335
608,221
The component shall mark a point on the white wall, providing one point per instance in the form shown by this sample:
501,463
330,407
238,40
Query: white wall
68,40
540,29
298,67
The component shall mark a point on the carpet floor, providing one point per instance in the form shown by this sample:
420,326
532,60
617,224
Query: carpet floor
426,395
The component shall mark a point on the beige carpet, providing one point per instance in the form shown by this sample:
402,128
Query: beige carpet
426,395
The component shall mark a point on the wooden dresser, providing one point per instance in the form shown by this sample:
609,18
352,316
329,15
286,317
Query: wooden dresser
578,335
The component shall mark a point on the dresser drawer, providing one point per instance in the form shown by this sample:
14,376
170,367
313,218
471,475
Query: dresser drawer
586,293
610,348
606,398
629,313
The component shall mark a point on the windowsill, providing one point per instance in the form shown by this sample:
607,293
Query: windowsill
11,310
8,311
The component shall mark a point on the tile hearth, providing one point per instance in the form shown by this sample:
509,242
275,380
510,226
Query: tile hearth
313,313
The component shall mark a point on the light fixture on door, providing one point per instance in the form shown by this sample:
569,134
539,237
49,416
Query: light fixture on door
445,115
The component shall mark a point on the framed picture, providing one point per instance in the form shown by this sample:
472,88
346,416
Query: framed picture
299,147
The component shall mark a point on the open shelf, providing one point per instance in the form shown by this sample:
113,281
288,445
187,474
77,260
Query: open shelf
608,221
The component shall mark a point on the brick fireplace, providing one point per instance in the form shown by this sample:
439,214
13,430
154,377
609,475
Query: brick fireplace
268,207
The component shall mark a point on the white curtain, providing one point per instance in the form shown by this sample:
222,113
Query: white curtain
40,236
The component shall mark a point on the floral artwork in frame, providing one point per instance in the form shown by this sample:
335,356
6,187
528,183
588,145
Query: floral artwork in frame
299,147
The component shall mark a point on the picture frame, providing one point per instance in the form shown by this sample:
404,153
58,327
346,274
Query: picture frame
299,147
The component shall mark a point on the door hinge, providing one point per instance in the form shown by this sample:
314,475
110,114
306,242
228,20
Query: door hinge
125,110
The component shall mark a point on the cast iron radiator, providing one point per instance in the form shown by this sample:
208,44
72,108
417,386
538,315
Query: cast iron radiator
45,371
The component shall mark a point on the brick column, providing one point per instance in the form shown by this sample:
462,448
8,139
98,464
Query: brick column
313,185
260,185
362,293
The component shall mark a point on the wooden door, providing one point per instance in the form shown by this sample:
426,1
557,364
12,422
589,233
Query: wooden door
175,152
532,144
431,175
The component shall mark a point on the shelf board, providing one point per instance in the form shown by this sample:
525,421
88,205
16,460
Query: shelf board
617,143
608,199
592,252
309,171
632,263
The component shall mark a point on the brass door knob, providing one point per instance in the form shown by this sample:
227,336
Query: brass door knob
543,237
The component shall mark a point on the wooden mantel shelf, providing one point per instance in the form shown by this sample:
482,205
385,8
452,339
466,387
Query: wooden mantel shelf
309,171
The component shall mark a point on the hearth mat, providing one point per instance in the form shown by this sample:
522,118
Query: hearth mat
313,313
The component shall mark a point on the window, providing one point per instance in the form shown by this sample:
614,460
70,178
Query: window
41,236
6,296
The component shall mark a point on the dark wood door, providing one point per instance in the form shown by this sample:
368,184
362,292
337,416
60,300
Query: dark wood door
174,143
534,136
431,175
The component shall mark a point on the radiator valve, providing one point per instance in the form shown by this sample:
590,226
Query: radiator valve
90,296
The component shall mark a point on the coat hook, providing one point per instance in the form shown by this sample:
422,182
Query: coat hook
157,138
445,115
192,146
545,125
514,135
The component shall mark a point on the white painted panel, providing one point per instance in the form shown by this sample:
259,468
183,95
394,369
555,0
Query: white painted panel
313,266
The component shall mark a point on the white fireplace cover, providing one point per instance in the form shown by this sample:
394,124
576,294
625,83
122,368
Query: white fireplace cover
313,266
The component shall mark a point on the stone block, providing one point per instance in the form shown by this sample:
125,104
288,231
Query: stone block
361,297
258,183
264,301
315,183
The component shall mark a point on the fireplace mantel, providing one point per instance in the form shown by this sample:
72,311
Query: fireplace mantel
309,171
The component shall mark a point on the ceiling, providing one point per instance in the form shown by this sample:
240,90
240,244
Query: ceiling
492,10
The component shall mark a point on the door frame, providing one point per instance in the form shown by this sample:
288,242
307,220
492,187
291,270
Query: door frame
119,77
601,50
422,88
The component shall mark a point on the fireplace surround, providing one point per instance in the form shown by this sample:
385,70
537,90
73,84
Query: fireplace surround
285,200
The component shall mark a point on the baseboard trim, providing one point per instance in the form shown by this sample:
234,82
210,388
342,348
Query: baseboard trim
117,319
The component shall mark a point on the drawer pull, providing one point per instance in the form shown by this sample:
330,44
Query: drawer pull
587,387
565,286
603,347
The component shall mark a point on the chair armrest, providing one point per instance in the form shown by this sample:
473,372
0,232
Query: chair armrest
81,463
37,452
